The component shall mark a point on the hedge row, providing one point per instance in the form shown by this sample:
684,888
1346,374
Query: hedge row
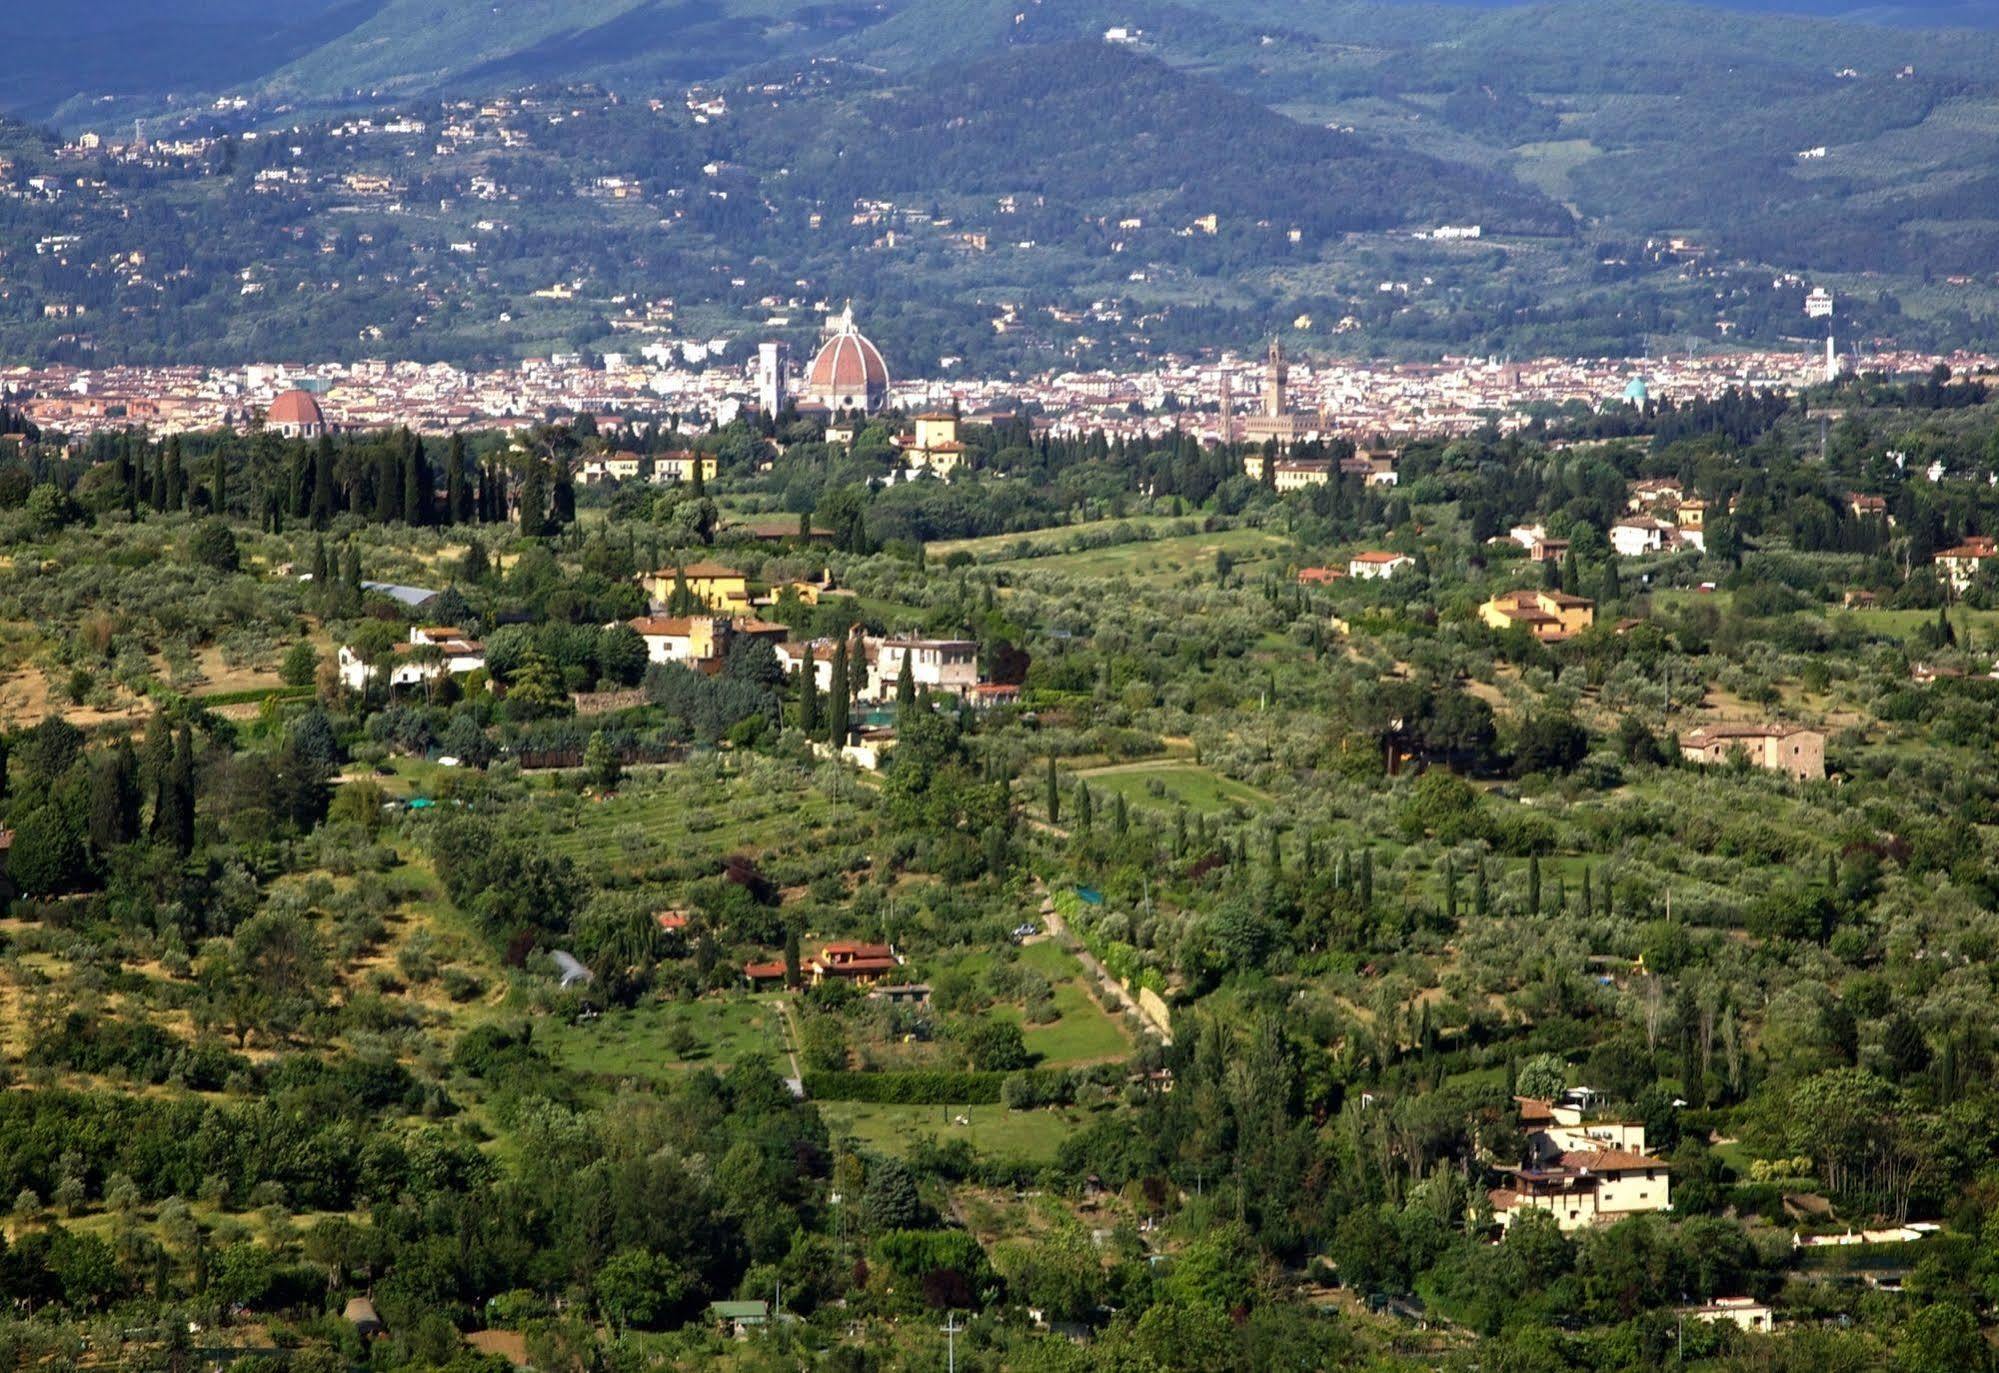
937,1087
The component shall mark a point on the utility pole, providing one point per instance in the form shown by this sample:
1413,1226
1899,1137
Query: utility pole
951,1329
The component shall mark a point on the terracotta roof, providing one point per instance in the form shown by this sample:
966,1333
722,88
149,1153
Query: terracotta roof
1378,557
295,407
1611,1161
848,362
670,626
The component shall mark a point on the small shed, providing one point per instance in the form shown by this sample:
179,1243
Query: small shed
738,1318
360,1313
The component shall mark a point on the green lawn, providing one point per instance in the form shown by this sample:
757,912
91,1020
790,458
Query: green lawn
1084,1032
1165,784
634,1043
1024,1136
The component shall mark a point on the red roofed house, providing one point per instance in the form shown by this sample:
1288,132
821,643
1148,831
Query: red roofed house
1960,564
863,964
1581,1171
1375,566
1319,576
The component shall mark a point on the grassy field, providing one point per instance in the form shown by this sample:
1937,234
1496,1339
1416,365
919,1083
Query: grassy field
1023,1136
1083,1032
1064,550
636,1043
1165,784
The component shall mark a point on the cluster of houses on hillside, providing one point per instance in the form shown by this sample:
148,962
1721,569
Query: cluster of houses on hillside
1581,1171
1376,466
717,607
1662,518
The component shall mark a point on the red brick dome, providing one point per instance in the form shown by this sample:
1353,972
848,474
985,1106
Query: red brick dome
296,411
849,372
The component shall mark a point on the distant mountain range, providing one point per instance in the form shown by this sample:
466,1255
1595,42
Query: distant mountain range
131,56
1628,148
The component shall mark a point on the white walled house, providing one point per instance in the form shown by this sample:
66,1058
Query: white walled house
688,639
1634,538
456,654
1376,566
947,665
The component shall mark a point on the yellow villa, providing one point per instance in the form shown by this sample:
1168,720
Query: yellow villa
1549,616
715,586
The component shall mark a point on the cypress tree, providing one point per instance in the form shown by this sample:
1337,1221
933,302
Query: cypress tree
905,685
322,482
838,697
697,485
808,696
114,798
1083,808
457,500
1367,879
176,477
1055,798
1533,885
534,500
416,484
157,765
183,787
1450,890
389,483
218,482
1479,895
1121,823
1180,832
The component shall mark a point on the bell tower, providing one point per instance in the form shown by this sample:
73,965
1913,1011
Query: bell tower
1275,378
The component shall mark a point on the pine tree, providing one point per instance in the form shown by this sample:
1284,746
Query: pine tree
1054,798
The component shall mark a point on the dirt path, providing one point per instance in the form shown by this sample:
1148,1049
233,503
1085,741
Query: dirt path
1051,920
796,1082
